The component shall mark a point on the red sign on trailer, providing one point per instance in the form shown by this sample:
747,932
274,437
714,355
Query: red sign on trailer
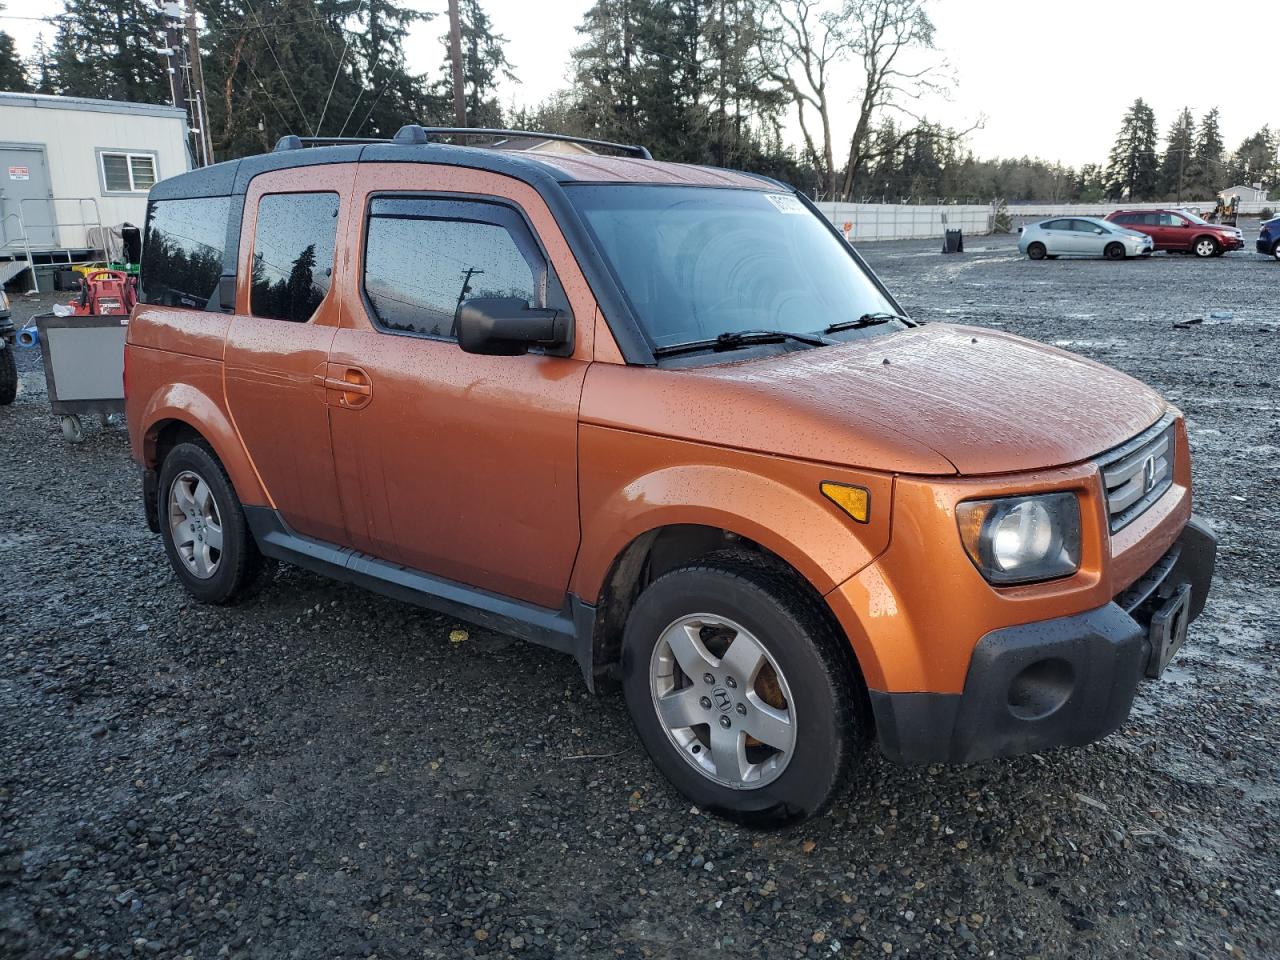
19,173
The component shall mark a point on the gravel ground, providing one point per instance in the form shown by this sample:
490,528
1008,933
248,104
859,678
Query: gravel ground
324,773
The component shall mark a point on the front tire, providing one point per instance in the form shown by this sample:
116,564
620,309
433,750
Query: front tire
1036,251
206,536
736,687
1205,247
1114,251
1275,250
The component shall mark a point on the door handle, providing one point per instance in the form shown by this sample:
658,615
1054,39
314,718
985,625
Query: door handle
354,388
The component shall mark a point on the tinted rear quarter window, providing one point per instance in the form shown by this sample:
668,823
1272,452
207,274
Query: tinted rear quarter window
293,245
182,252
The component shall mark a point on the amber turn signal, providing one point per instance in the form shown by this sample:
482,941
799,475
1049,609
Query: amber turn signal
855,501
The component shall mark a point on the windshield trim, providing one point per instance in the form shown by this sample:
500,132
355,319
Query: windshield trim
767,187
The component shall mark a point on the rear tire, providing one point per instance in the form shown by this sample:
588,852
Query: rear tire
1114,251
1036,251
737,649
206,536
8,376
1205,247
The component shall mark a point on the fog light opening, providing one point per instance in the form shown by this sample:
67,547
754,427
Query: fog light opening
1041,688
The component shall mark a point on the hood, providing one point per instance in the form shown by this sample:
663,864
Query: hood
935,399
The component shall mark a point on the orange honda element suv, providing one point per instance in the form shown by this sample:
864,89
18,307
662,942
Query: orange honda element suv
663,418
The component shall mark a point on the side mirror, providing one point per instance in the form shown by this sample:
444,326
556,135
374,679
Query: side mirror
508,326
1099,230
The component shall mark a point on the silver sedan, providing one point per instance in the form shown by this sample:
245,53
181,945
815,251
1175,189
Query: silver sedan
1082,237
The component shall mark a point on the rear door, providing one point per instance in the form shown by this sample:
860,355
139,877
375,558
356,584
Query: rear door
1175,232
277,346
458,465
25,191
1057,236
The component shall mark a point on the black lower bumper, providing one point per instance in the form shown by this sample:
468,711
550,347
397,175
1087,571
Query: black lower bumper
1056,683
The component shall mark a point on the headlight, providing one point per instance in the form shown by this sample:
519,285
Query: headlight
4,300
1022,539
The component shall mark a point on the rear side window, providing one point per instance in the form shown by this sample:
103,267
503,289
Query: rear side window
182,252
424,257
1057,225
293,244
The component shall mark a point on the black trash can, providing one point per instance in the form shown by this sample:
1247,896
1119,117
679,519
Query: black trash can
952,241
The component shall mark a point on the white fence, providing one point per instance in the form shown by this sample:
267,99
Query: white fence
1102,209
900,221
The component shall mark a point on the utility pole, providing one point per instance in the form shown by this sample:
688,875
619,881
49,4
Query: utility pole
199,106
172,52
1182,159
455,54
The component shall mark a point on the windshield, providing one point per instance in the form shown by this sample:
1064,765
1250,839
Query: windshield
1193,217
698,262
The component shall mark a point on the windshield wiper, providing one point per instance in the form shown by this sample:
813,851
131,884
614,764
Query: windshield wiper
866,320
736,339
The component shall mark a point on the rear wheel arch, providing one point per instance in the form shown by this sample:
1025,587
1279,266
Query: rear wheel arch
663,549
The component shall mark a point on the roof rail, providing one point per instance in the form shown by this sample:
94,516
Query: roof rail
414,133
292,142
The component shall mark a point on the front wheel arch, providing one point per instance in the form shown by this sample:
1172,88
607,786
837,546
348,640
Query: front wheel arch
1211,246
660,550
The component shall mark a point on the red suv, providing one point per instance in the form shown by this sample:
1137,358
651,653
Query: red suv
1180,231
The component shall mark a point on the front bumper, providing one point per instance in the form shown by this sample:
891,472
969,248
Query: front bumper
1233,243
1054,683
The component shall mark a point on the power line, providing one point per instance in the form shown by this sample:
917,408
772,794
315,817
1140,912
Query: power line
284,76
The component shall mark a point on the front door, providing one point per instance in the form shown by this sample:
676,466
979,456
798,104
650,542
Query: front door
25,192
278,343
458,465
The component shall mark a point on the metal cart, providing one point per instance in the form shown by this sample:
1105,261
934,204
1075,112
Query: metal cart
83,367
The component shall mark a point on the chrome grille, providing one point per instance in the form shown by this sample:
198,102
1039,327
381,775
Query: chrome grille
1136,474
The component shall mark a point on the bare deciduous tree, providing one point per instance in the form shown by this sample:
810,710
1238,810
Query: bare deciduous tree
800,48
806,44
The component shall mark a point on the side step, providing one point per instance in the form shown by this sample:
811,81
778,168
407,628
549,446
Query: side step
568,630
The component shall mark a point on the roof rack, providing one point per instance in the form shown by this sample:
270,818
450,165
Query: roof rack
414,133
291,142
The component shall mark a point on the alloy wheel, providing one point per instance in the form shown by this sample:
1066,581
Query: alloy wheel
723,701
1204,248
195,524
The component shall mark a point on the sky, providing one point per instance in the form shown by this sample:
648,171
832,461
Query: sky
1051,80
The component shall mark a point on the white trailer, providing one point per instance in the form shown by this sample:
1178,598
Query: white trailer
71,168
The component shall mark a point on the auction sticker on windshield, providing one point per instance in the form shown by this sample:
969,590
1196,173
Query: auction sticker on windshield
785,202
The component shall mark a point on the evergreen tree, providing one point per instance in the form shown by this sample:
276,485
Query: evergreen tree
41,68
309,67
1178,156
483,62
1132,170
13,76
1207,173
106,49
682,76
1254,161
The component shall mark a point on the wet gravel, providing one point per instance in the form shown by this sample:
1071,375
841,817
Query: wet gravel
324,773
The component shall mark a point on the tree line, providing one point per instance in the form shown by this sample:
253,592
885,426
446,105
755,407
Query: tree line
697,81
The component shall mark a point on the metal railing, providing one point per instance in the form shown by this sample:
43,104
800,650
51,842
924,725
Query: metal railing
87,226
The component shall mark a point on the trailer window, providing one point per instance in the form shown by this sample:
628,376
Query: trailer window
182,251
127,172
